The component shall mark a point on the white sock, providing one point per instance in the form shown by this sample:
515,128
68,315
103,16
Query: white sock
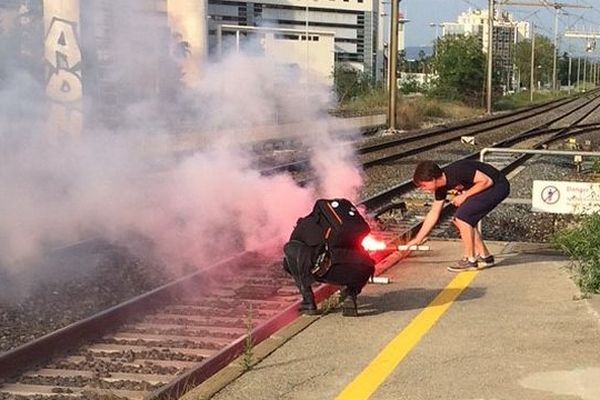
472,259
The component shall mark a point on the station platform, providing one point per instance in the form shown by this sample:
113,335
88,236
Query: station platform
518,330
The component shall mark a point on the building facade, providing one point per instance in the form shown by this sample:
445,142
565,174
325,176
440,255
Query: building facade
354,24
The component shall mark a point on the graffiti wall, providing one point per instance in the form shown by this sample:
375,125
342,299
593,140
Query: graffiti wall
62,56
187,19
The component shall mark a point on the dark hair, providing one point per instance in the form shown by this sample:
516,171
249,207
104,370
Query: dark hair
426,171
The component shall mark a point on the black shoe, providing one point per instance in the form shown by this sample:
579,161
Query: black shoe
349,307
464,265
486,262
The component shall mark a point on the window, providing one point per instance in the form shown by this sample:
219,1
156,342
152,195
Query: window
285,36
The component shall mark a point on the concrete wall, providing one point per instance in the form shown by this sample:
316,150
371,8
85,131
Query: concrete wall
64,85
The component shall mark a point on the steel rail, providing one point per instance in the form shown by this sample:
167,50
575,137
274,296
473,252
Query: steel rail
378,202
211,366
532,131
45,347
551,106
71,336
428,133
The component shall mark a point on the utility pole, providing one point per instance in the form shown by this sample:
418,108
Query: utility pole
584,72
490,55
570,69
435,40
586,36
556,11
557,7
393,57
396,20
531,80
578,71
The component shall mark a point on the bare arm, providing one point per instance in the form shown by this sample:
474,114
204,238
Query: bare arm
429,222
480,183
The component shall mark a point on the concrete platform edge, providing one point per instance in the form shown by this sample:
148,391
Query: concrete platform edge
218,381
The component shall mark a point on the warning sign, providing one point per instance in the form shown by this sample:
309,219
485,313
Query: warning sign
564,197
550,194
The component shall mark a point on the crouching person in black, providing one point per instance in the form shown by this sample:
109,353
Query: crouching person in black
325,246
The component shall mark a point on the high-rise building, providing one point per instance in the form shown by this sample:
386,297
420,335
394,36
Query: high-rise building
354,23
507,32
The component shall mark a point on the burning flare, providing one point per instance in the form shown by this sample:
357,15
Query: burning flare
369,243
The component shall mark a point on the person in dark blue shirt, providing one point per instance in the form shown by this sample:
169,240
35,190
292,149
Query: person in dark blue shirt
479,188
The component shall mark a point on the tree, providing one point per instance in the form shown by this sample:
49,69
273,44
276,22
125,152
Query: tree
350,82
544,58
460,65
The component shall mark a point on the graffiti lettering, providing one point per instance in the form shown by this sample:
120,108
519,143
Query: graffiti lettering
61,43
64,86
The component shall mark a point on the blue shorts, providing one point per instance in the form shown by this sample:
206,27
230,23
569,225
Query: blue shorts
478,206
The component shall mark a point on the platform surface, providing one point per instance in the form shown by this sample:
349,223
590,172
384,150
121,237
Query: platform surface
518,330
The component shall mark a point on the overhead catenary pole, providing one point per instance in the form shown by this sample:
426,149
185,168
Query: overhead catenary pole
591,37
490,56
584,72
570,70
557,7
556,11
532,72
578,71
393,56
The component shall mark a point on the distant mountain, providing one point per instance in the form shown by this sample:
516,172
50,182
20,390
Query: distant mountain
412,52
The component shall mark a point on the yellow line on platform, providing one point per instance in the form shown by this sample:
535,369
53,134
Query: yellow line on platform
367,382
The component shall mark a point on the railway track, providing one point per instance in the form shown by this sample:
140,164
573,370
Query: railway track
194,324
161,343
436,136
404,206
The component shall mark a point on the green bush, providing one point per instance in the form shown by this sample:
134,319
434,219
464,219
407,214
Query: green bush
582,244
350,83
521,99
411,85
374,101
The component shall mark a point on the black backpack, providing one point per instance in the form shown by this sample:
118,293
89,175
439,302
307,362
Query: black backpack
335,222
334,230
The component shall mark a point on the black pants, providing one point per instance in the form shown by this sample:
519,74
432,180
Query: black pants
478,206
298,262
353,276
352,270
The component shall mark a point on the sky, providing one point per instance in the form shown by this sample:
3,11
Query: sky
423,12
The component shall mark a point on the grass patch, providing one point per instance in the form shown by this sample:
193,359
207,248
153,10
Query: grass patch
248,353
582,243
375,101
412,112
329,304
408,116
521,99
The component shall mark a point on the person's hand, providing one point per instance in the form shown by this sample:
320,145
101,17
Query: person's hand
458,200
413,242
